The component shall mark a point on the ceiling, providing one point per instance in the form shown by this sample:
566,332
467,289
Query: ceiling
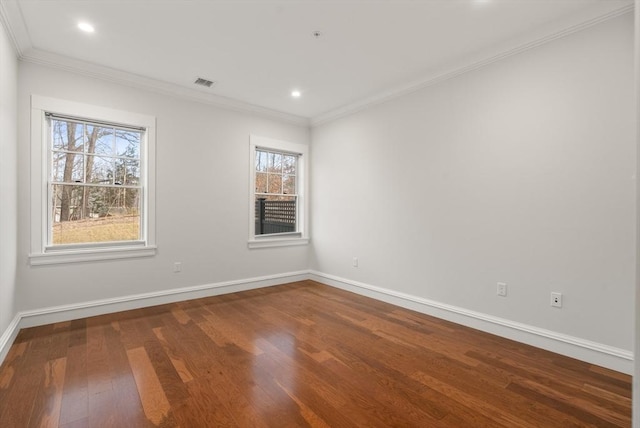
257,52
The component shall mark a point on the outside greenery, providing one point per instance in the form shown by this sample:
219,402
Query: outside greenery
95,182
123,228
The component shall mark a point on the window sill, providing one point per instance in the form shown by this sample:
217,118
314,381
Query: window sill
90,255
277,242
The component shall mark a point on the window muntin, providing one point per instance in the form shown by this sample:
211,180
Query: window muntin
276,199
94,182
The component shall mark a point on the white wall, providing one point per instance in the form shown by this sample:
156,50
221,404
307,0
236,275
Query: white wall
520,172
636,373
8,177
202,197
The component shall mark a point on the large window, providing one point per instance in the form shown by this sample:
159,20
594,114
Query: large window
92,183
278,203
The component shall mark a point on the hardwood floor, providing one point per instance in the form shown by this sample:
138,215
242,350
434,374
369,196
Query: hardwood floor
295,355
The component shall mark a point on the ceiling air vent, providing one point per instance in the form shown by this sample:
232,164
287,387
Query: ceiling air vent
204,82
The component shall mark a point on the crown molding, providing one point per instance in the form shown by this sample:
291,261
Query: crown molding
11,17
72,65
13,22
478,61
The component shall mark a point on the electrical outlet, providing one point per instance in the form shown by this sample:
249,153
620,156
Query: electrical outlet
502,289
355,262
556,300
177,267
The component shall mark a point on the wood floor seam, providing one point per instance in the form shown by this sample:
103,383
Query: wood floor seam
295,355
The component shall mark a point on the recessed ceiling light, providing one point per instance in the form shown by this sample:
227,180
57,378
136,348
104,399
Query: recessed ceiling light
86,27
296,94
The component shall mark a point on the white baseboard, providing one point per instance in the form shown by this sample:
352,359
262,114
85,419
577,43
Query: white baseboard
9,335
92,308
595,353
98,307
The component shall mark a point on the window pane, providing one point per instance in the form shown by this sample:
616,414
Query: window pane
67,167
275,214
261,161
127,171
67,202
60,140
94,214
289,184
128,143
275,162
113,202
67,135
289,164
99,169
261,182
275,183
123,202
100,140
133,172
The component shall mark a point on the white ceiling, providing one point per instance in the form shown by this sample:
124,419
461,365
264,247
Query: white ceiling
259,51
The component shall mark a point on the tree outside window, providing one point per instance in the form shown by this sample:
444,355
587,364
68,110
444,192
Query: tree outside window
94,182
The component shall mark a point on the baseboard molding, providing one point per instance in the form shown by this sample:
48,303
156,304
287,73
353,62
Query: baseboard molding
9,335
104,306
596,353
54,314
592,352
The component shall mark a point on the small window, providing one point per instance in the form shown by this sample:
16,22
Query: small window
92,183
95,190
276,199
278,203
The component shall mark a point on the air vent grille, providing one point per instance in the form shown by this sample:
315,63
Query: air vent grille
204,82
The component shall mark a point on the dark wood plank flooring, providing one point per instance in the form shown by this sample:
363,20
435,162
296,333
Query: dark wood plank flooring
295,355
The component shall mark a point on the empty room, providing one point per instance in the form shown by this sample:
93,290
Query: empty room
357,213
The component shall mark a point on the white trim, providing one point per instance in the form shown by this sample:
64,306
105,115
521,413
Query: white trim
53,314
277,242
103,306
9,336
49,59
39,254
302,190
585,350
11,16
90,254
92,111
467,66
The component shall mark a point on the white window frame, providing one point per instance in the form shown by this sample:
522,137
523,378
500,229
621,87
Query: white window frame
40,252
301,235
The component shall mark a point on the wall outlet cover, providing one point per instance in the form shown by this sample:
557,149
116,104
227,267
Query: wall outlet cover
502,289
556,300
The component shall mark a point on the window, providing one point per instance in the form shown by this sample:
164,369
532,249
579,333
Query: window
276,199
277,204
92,183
